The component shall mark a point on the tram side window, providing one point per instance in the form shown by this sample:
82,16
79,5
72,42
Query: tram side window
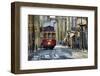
53,35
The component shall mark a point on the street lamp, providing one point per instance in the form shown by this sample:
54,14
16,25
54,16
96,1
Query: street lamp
82,36
82,22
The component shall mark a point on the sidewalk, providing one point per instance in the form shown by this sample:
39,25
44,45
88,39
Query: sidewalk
80,54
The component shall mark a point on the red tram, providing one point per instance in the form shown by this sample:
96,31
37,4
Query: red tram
48,39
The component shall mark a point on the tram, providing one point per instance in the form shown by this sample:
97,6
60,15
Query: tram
48,39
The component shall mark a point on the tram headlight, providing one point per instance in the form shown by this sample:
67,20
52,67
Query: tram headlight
49,43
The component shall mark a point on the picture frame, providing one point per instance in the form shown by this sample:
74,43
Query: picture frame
20,12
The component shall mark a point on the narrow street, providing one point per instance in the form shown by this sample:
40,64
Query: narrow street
57,37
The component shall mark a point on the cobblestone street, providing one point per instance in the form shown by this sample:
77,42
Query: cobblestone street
58,53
